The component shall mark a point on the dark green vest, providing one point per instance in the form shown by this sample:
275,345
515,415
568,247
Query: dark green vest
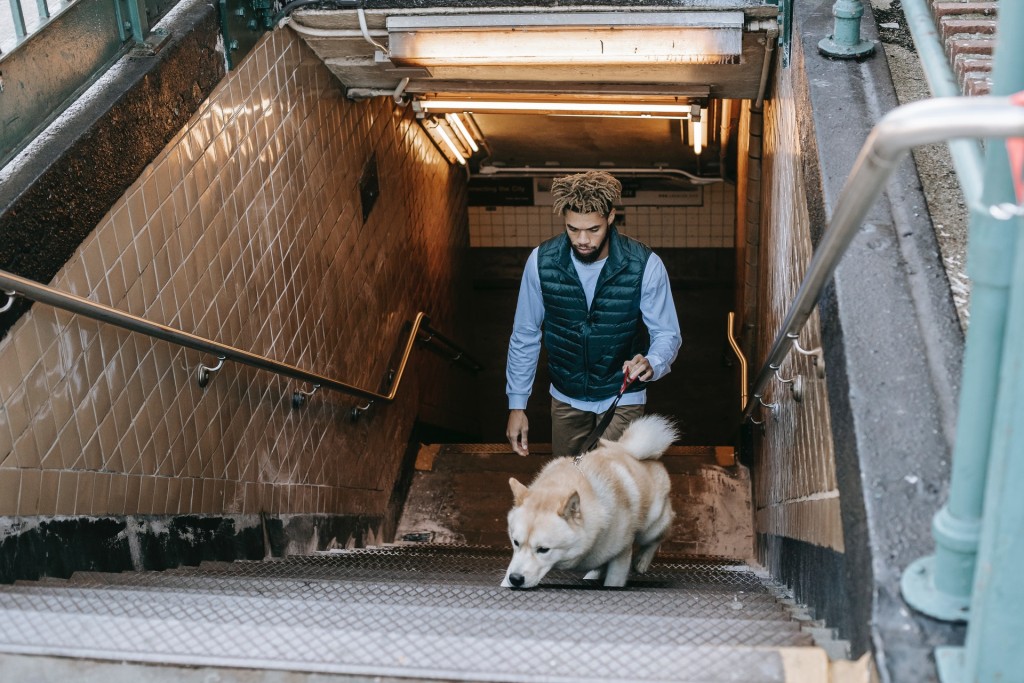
586,348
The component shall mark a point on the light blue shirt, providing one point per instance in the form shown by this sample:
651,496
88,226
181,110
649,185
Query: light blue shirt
656,307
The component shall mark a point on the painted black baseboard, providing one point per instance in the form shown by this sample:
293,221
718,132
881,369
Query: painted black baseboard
34,547
816,575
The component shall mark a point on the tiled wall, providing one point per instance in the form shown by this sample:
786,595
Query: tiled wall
712,224
796,494
246,229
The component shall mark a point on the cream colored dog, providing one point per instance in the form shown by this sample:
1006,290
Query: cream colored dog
589,516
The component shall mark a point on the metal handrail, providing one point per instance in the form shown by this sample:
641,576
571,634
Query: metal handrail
12,285
919,123
966,154
739,355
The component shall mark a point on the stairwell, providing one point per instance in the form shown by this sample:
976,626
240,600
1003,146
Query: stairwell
435,611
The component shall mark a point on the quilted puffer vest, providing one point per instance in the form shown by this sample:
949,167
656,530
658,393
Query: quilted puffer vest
586,348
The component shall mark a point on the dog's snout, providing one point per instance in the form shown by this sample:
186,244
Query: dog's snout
516,580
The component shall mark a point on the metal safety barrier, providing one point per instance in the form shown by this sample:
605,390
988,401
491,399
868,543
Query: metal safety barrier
39,76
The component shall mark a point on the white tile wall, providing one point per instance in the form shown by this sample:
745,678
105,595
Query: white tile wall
709,225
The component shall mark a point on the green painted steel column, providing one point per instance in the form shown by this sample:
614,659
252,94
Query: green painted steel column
845,41
993,649
940,585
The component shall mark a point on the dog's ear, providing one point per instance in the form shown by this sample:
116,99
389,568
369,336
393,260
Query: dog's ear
518,491
571,507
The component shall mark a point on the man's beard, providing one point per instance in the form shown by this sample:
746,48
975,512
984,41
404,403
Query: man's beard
594,253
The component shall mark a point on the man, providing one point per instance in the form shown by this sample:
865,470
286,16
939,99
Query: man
588,294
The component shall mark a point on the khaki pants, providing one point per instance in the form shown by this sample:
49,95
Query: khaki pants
570,427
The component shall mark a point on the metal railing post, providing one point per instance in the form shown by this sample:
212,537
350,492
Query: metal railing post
18,17
845,41
139,19
992,650
940,585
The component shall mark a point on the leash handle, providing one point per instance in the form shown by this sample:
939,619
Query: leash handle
626,381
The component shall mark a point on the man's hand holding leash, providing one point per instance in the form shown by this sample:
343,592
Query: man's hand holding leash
638,368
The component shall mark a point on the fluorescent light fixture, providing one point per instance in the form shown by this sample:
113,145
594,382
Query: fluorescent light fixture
457,137
460,129
697,129
552,39
550,106
451,145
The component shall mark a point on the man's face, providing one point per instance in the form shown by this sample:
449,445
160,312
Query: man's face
588,234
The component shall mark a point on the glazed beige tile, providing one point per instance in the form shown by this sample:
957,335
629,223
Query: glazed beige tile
10,490
133,494
85,503
224,234
6,439
26,451
102,482
117,494
49,482
67,491
147,489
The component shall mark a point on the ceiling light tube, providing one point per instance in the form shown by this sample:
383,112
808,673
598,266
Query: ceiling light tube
623,116
460,130
698,130
495,106
566,38
451,145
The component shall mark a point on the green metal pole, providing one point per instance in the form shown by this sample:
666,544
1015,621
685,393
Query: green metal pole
845,41
993,649
940,585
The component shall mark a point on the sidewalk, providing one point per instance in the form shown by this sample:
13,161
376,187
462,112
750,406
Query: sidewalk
968,31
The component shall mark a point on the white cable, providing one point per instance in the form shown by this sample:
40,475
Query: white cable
366,32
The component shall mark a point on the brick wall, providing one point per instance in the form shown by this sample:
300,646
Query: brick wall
246,229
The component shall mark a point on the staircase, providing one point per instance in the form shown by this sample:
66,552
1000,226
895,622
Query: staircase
425,611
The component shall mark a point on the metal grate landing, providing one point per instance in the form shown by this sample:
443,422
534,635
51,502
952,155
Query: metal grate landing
420,612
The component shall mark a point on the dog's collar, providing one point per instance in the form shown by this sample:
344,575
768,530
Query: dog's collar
578,459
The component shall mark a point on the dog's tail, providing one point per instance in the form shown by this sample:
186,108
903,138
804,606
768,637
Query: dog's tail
647,437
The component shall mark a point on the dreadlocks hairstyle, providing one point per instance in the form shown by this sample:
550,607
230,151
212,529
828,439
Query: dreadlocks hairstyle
590,192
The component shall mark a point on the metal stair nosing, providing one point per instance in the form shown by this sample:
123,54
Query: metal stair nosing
754,606
226,611
424,655
706,590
